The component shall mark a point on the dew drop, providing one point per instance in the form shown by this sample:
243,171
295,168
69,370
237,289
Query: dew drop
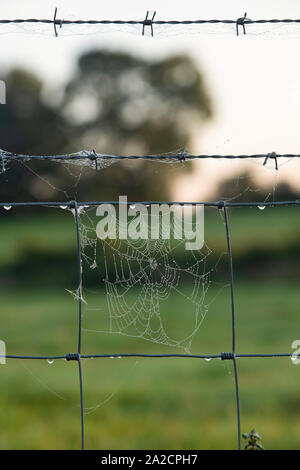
63,207
132,206
7,208
153,263
50,361
94,265
112,357
119,357
261,208
208,359
294,358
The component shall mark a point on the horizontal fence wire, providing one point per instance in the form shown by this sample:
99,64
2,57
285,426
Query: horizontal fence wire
78,356
218,204
102,356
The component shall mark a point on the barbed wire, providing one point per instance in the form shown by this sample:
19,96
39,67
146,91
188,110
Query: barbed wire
150,22
181,156
78,355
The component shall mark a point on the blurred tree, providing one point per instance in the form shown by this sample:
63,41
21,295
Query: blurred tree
122,104
115,103
28,126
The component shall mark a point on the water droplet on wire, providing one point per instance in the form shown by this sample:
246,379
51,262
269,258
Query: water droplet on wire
7,208
132,206
208,359
261,208
50,361
63,207
112,357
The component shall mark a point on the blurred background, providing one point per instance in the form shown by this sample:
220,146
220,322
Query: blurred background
123,93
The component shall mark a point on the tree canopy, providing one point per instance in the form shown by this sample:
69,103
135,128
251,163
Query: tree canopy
114,103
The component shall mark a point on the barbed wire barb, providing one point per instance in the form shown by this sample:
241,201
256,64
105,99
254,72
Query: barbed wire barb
148,22
241,22
56,22
94,157
273,156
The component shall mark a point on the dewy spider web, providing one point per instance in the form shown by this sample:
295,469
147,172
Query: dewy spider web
94,160
103,160
139,277
70,168
76,164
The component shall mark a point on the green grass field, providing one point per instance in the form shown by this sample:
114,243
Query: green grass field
148,403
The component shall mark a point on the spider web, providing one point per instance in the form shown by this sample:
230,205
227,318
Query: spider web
73,167
141,276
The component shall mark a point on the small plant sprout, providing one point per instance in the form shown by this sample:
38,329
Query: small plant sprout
254,440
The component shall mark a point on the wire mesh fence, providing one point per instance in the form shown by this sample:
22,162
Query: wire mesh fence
78,354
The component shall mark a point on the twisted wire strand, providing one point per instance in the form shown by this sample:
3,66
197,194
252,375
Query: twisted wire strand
149,22
181,156
142,22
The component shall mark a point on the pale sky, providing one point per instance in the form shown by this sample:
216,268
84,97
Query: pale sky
254,81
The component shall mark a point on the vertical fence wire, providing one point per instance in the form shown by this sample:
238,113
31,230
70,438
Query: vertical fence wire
79,294
232,356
